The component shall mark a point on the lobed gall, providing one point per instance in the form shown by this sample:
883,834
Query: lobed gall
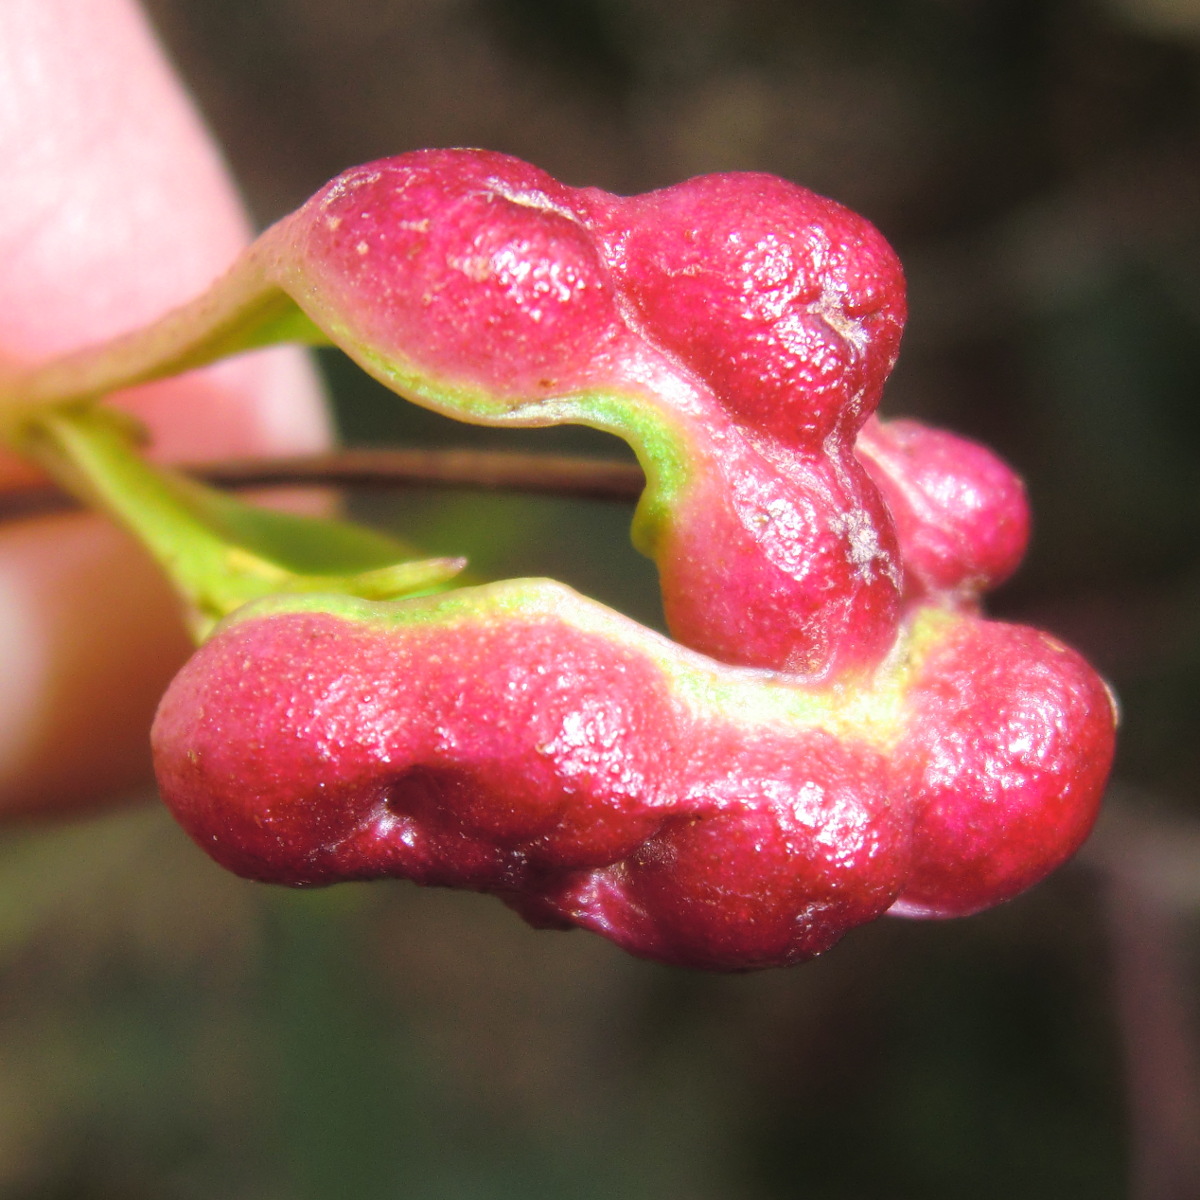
834,732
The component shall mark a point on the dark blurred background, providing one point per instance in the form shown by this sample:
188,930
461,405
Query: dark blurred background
166,1031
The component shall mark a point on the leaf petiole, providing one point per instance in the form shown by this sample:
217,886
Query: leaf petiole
218,552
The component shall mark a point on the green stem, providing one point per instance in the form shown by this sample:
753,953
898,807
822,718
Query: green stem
241,311
218,552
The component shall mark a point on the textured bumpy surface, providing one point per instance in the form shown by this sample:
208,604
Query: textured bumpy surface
835,731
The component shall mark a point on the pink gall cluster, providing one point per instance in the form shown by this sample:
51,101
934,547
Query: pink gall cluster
834,732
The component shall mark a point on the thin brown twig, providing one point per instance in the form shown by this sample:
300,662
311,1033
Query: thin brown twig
487,470
1148,862
1162,1069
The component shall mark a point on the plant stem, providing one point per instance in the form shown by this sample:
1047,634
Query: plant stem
241,311
489,470
218,553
